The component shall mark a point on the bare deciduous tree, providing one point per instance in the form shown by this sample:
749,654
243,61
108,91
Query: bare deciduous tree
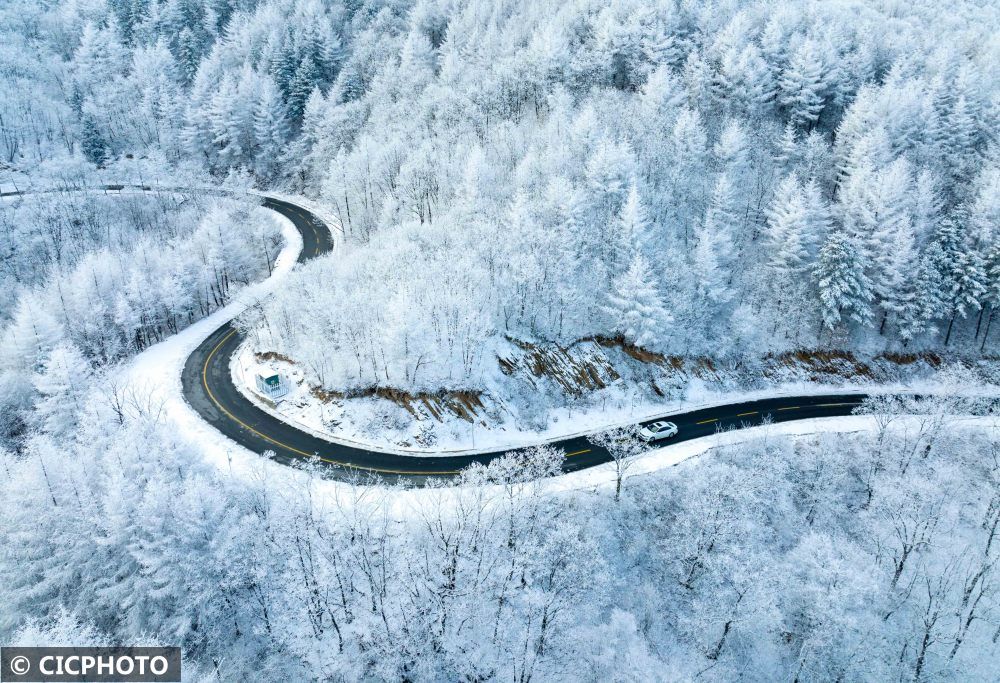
623,444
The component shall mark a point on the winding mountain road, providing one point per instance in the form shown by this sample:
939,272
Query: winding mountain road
209,389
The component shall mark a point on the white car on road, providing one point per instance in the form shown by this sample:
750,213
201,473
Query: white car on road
658,430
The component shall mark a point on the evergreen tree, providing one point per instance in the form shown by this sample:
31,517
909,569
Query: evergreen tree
788,148
818,211
896,287
306,80
220,12
723,210
62,385
876,207
844,289
687,178
968,287
962,274
919,311
712,252
927,205
92,142
984,212
718,231
635,309
188,53
125,18
697,75
230,118
890,240
992,294
416,62
270,127
284,64
632,226
802,85
743,82
961,145
662,96
610,171
789,231
731,150
98,59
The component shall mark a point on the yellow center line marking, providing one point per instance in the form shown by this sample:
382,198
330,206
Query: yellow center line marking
790,408
745,414
705,422
312,226
570,455
204,381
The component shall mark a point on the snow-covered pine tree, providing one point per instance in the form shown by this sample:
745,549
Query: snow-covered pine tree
62,386
818,211
188,53
722,221
610,171
283,64
229,119
789,230
962,273
992,294
845,292
927,205
802,85
305,80
634,307
731,149
787,153
926,305
712,256
630,226
92,143
270,127
689,147
896,289
961,149
889,241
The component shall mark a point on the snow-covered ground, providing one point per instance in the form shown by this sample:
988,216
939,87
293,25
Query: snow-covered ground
675,454
155,373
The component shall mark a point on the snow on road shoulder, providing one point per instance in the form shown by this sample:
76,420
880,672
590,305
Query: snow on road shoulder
156,372
604,476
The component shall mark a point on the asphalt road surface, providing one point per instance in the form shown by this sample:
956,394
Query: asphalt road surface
208,388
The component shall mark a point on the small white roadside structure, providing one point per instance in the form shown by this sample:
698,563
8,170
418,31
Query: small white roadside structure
270,383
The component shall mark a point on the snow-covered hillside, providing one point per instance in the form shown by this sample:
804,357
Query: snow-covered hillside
725,183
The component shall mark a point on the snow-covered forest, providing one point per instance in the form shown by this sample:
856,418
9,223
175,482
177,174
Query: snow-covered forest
726,179
87,280
855,557
694,178
721,181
